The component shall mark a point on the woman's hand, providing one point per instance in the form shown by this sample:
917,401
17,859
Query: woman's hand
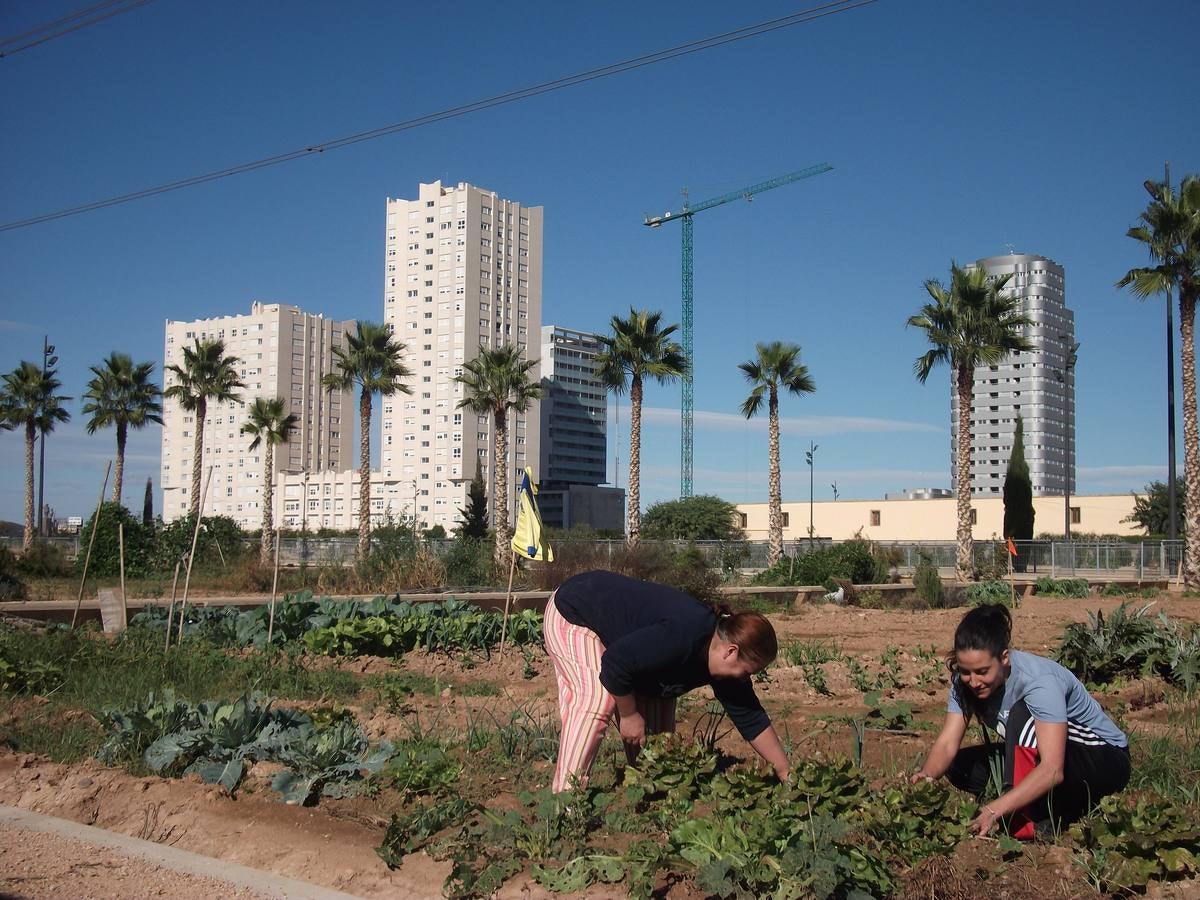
633,729
916,777
985,821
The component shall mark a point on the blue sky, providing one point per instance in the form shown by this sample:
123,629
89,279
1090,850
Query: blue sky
955,130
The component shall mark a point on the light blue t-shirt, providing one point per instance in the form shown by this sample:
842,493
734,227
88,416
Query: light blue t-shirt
1052,694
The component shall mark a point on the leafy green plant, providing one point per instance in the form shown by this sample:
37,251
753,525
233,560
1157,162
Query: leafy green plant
889,716
668,766
1131,840
1131,643
984,592
408,833
422,767
1062,587
850,560
927,582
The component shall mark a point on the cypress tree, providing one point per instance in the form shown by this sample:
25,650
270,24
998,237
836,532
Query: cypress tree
1018,495
475,518
148,504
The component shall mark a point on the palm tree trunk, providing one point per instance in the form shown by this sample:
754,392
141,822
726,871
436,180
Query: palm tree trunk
268,519
1191,440
503,532
633,530
774,490
30,439
198,456
119,470
364,475
965,562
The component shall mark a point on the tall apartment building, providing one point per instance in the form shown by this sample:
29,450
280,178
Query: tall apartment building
1039,386
574,446
282,352
463,270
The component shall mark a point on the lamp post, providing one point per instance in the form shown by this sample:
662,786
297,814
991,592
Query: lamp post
1172,515
808,456
1070,355
413,482
48,360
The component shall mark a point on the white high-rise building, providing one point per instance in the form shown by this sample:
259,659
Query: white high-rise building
282,352
1038,386
463,269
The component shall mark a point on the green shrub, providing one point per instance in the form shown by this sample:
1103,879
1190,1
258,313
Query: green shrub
105,558
1063,587
468,563
928,583
220,543
44,560
11,585
987,592
850,560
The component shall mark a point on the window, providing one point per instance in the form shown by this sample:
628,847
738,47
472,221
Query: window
975,516
1076,516
786,520
875,517
741,520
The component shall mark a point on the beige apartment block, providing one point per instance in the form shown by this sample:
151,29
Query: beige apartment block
282,352
936,519
463,270
329,499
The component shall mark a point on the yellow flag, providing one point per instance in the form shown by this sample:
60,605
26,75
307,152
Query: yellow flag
527,538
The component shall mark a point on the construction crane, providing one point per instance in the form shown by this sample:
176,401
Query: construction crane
686,213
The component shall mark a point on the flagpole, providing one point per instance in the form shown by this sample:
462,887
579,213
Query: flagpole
1012,583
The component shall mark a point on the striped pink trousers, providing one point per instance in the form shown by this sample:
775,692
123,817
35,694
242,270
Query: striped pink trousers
584,706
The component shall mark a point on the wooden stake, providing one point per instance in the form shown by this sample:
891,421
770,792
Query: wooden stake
121,556
91,543
512,569
274,588
187,579
171,608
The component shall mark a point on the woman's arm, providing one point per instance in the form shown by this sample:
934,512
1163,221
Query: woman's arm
1048,774
768,746
941,754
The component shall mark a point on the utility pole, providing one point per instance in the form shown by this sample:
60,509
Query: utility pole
809,454
48,360
1071,355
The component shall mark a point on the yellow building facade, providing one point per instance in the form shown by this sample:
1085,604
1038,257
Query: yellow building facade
936,519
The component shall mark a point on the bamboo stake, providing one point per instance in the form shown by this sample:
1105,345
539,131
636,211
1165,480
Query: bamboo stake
121,556
171,608
274,588
187,579
91,543
512,569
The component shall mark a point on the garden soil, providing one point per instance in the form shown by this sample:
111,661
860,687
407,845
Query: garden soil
334,843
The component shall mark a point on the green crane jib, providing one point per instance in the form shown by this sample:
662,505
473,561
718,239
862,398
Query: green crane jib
686,213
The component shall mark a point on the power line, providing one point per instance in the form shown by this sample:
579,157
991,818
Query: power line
97,13
798,18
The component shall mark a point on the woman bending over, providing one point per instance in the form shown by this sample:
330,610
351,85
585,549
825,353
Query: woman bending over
629,648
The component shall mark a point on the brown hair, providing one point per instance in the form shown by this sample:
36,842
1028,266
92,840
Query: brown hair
751,632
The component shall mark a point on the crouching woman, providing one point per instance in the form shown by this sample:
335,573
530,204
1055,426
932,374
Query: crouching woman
1060,752
628,648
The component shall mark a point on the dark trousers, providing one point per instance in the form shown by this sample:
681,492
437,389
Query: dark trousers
1090,772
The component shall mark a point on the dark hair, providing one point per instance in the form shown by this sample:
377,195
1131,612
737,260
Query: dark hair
987,627
751,632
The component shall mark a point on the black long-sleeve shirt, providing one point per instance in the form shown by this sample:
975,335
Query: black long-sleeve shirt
656,642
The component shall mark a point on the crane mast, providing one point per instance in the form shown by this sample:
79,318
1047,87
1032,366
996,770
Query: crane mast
686,213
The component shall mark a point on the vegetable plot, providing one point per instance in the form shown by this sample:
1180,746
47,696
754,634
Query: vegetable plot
216,740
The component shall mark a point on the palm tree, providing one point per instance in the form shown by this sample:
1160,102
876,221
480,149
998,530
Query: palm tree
371,360
496,381
207,374
121,394
1171,231
776,365
28,400
269,425
637,349
974,323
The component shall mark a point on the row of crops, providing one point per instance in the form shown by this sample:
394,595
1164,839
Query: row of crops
379,627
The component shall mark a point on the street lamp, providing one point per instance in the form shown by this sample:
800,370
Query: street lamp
808,456
1071,354
48,360
1172,521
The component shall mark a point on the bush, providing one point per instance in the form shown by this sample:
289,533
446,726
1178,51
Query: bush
44,560
852,560
11,585
468,563
105,558
221,543
928,583
1063,587
985,592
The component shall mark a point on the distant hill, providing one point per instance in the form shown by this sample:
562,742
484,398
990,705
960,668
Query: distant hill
11,529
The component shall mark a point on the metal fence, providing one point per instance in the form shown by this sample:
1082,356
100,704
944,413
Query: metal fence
1095,560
